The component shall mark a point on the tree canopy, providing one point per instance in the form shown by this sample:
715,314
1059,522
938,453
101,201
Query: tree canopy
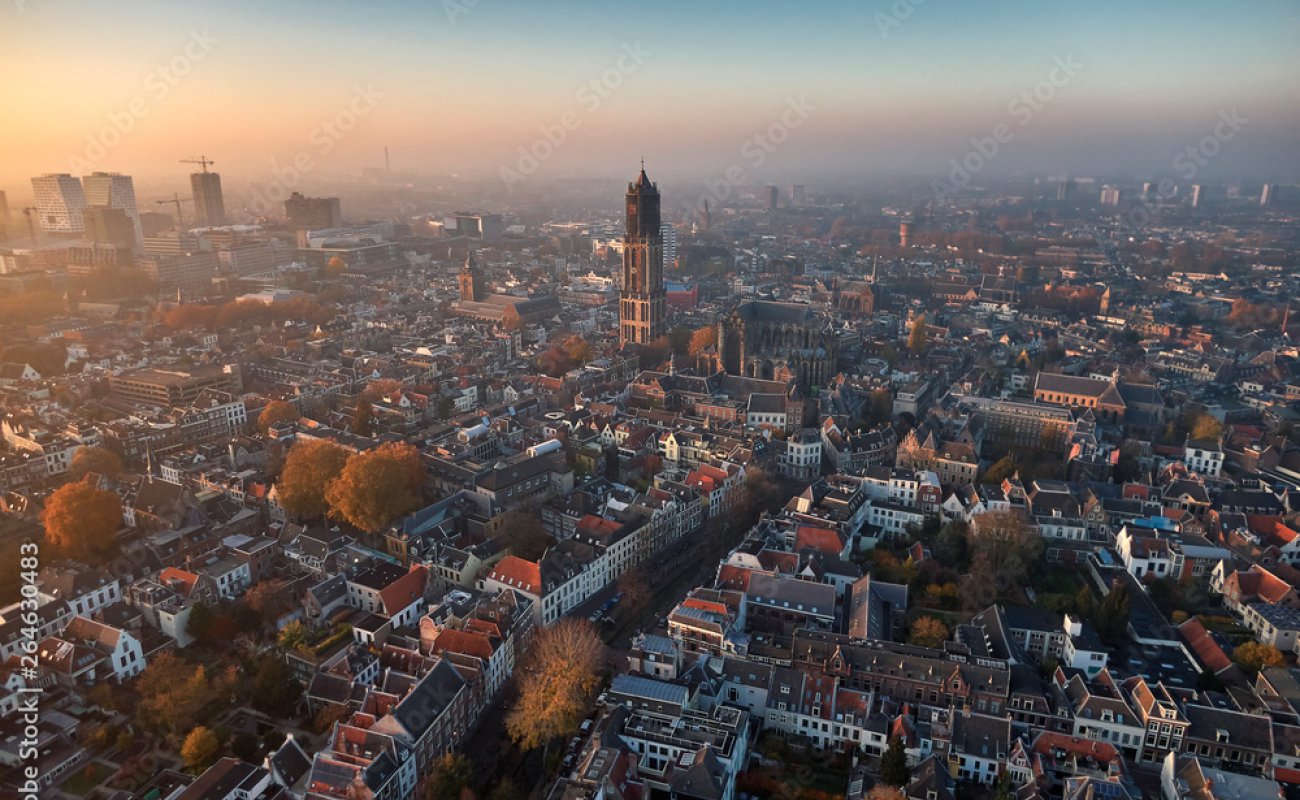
200,749
81,520
524,535
308,469
377,486
555,690
928,631
893,764
276,413
1254,656
98,460
918,340
702,339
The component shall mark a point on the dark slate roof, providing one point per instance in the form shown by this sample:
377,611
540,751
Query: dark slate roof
429,699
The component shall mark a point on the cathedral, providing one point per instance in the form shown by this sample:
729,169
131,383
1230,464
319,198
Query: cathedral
776,341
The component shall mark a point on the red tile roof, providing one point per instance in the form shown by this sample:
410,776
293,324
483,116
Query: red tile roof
178,579
1207,651
1271,530
470,644
518,573
405,590
823,540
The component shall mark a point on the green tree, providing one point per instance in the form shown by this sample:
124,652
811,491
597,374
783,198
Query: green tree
201,620
1003,788
505,790
200,749
524,535
275,689
243,745
893,764
679,339
952,546
451,775
446,407
1112,616
293,636
878,409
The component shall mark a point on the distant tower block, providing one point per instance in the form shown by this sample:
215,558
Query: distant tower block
797,194
773,195
905,234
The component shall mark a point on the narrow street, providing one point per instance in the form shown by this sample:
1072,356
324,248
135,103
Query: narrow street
679,568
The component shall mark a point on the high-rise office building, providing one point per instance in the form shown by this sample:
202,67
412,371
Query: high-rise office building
112,190
773,196
1197,195
60,203
1266,195
209,207
313,213
797,195
642,304
669,234
1109,195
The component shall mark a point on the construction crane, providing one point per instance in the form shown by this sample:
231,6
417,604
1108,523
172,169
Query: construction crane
203,160
177,200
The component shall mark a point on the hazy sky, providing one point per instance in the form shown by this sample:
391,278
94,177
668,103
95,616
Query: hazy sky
461,86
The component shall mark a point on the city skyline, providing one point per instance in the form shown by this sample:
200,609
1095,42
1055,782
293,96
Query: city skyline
468,88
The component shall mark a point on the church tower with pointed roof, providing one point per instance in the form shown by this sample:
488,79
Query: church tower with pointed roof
642,305
470,281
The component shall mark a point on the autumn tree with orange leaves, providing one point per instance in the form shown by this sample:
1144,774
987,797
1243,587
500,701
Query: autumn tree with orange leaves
95,460
564,670
308,469
377,486
275,413
80,520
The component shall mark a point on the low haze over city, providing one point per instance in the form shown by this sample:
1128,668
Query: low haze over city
489,400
